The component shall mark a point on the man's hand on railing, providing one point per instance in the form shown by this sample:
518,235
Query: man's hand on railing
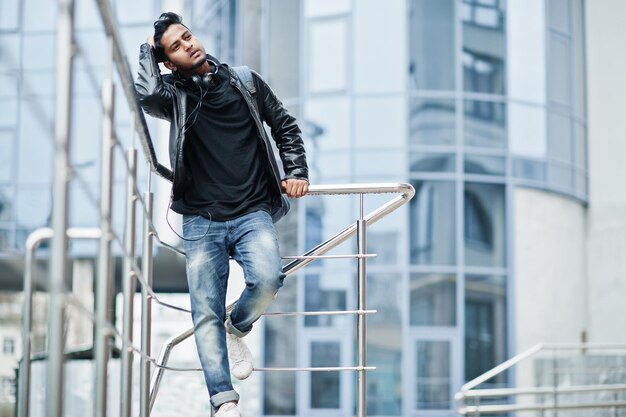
294,187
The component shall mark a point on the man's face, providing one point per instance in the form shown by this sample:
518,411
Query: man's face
184,51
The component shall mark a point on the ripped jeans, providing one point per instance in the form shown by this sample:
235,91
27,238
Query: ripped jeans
251,240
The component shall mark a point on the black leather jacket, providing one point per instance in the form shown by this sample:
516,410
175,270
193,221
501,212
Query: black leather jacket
165,97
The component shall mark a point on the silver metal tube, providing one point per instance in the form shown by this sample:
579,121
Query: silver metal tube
321,313
526,354
361,341
32,242
372,255
509,408
498,369
146,309
370,188
85,233
407,193
104,290
60,192
129,284
164,356
111,28
320,369
506,392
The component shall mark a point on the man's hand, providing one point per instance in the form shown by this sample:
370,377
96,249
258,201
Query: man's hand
294,187
150,40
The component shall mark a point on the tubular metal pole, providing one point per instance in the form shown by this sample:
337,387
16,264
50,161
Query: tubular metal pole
129,284
163,358
104,284
146,309
33,241
58,264
361,410
120,61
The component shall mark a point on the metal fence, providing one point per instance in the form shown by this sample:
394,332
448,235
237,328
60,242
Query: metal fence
567,380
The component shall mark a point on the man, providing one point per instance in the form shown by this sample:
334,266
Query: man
226,184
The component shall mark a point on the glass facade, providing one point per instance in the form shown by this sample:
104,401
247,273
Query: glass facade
27,106
27,114
464,99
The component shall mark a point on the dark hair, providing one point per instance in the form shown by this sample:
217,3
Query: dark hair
160,26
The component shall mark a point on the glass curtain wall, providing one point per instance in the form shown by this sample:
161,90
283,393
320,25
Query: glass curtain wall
27,45
458,147
27,42
496,100
547,111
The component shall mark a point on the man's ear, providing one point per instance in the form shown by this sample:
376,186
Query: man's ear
169,65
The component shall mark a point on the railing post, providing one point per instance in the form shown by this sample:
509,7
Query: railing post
58,263
33,241
555,384
104,288
129,284
477,405
361,410
146,309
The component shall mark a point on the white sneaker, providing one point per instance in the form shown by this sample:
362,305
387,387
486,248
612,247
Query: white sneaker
228,410
239,357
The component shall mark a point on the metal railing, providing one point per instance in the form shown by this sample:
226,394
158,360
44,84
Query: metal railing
359,228
106,333
555,378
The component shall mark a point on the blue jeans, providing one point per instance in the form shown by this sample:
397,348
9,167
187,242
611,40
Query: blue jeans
252,242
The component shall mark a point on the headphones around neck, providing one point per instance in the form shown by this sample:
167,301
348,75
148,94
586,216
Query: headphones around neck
203,84
207,80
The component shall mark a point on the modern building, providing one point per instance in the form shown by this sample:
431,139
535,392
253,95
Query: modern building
505,116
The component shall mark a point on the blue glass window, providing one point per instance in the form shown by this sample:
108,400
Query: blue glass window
485,325
485,124
434,375
433,300
432,121
432,223
432,51
484,224
483,46
325,385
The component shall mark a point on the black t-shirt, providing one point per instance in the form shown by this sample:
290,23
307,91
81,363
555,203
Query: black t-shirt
224,154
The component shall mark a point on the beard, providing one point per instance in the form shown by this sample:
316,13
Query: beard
199,63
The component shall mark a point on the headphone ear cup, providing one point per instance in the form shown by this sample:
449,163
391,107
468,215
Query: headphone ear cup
206,80
196,80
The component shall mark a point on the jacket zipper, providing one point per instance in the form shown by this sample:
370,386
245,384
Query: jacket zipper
181,137
260,130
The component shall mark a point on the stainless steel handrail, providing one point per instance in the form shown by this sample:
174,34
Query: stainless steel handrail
36,238
60,203
500,368
505,392
470,393
406,190
126,77
492,409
